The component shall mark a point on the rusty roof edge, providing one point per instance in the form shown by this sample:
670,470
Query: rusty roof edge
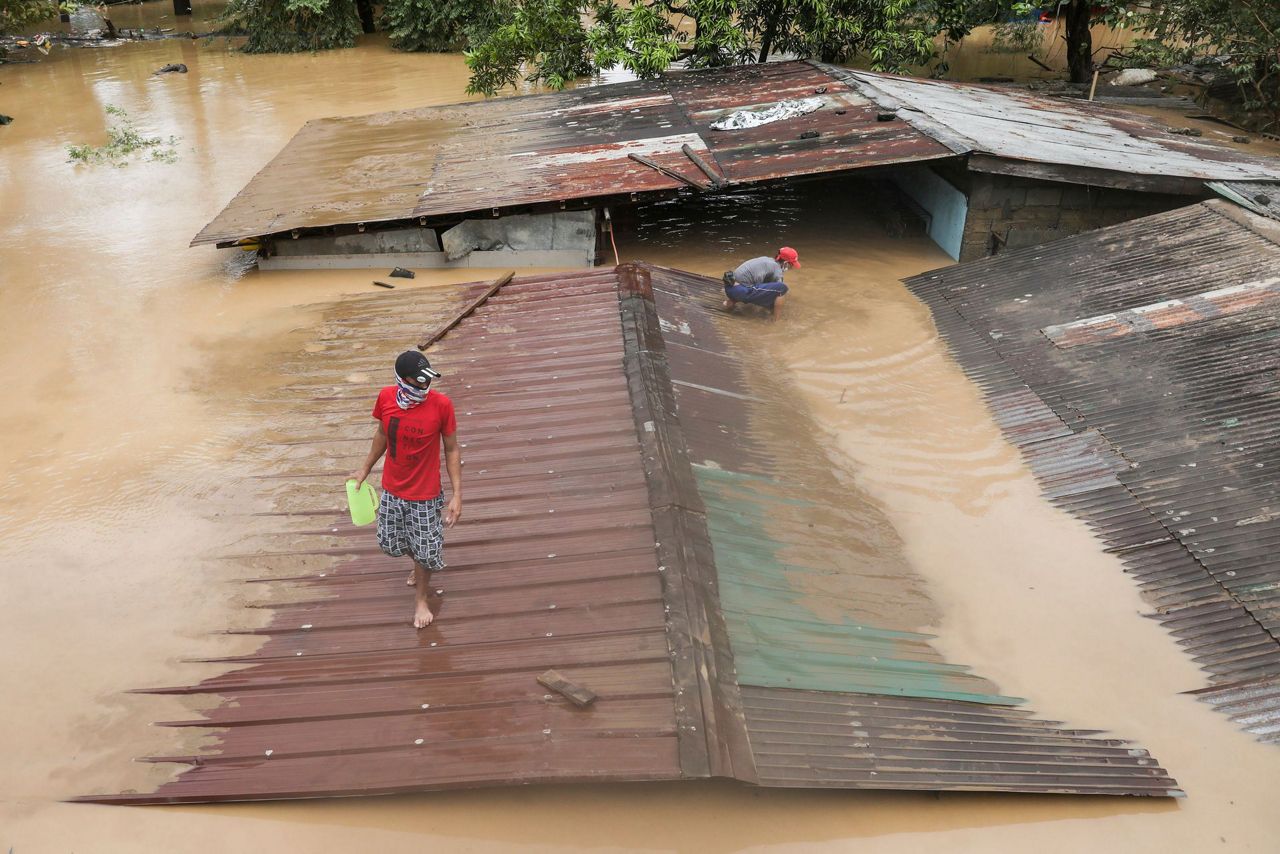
1087,175
1257,223
910,114
711,721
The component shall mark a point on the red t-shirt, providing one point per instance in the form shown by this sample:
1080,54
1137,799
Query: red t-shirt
412,466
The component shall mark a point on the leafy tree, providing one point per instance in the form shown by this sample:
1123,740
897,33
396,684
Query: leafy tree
293,26
1241,36
1079,15
16,14
553,41
441,25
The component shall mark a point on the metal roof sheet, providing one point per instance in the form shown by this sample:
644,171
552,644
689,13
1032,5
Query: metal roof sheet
838,685
1261,197
857,741
810,598
599,540
1154,346
571,147
1021,126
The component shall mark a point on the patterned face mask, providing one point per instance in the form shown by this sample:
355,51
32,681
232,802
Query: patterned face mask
408,395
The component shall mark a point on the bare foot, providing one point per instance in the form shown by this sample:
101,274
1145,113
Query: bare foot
412,581
422,616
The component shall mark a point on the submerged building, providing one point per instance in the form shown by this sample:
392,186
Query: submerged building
533,180
651,518
1137,367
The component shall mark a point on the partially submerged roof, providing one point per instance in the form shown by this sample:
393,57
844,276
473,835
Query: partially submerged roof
650,517
1061,139
572,149
1136,366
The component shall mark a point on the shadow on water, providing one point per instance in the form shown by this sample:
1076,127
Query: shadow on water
689,816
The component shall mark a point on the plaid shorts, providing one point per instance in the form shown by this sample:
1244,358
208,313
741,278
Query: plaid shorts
413,528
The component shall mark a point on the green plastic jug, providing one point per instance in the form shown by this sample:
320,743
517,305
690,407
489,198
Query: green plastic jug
363,502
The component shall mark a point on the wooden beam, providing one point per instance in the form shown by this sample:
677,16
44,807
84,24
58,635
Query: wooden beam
443,330
581,697
670,173
717,180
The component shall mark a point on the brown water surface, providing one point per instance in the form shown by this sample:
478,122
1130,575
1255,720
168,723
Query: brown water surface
139,373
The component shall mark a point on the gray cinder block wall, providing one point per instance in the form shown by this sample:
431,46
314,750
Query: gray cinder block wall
1009,213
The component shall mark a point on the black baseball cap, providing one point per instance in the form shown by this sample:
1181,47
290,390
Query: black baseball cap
412,365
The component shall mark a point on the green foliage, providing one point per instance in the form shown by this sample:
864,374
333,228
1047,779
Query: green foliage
545,33
552,41
293,26
15,14
1020,37
123,141
1241,37
441,25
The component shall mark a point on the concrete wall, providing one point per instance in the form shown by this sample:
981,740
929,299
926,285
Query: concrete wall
382,242
943,202
557,259
573,231
562,239
1009,213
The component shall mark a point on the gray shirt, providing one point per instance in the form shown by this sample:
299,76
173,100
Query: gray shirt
757,271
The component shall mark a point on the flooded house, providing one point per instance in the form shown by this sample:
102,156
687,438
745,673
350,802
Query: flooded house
660,578
539,180
867,585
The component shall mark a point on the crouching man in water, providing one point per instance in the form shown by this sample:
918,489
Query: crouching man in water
759,281
413,422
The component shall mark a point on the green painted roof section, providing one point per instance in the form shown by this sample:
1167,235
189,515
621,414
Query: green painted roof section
788,600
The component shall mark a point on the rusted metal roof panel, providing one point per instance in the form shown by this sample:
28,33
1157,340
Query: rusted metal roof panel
598,540
460,158
839,687
855,741
848,132
1154,343
1023,127
553,567
1166,314
572,147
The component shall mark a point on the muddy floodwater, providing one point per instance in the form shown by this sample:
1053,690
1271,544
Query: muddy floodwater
139,377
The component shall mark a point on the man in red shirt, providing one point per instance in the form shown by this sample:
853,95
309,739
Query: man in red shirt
413,422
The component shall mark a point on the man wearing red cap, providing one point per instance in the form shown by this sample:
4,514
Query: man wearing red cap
759,281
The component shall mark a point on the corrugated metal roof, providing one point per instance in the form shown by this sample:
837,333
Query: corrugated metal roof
1261,197
599,540
810,598
857,741
1160,408
1022,127
571,147
1253,706
838,685
553,567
